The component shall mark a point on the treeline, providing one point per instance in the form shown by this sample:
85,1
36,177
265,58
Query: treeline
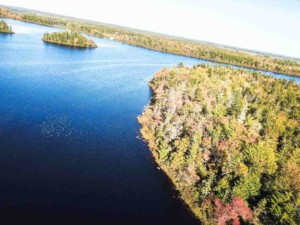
163,43
44,20
4,28
230,141
70,39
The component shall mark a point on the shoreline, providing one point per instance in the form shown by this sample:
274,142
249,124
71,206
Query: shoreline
173,53
6,32
187,202
170,44
68,45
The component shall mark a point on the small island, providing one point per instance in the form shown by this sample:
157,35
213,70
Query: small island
66,38
230,142
4,28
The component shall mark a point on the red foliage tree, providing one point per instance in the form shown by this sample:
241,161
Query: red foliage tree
232,211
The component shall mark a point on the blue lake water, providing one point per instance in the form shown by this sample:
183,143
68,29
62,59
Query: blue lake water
69,150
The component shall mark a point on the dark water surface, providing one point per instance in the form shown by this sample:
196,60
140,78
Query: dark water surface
68,128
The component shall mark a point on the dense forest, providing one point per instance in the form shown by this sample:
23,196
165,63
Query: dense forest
73,39
163,43
4,28
230,142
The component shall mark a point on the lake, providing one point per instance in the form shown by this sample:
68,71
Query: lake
68,133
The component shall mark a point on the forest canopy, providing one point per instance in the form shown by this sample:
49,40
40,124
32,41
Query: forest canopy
230,142
70,39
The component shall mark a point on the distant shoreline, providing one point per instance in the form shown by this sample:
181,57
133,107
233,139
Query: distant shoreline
161,43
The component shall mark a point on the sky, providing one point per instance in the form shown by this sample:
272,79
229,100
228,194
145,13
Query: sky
264,25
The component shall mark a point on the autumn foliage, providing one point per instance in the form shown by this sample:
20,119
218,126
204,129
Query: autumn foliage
230,141
232,212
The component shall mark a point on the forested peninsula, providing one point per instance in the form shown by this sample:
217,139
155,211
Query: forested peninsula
230,142
161,42
73,39
4,28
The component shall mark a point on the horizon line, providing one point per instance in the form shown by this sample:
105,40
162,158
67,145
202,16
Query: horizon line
220,45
